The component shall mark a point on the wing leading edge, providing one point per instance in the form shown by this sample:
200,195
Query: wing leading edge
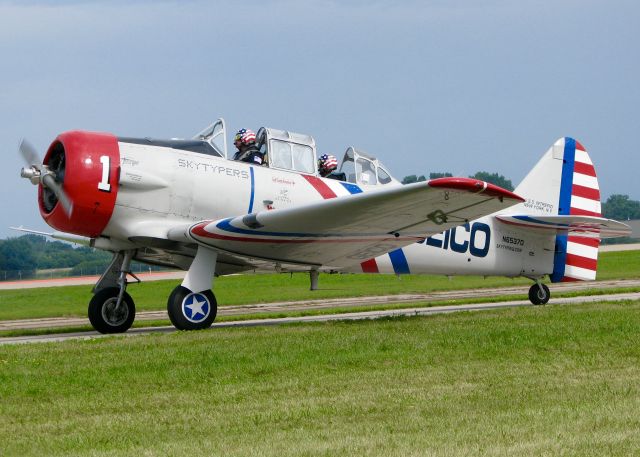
347,230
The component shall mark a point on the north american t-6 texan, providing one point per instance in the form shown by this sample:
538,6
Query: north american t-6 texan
186,204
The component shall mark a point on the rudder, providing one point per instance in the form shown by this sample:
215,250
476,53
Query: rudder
576,257
564,182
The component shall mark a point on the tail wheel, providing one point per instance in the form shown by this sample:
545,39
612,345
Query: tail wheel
191,310
106,316
539,294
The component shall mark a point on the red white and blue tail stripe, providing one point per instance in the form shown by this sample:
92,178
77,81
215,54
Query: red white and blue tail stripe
576,257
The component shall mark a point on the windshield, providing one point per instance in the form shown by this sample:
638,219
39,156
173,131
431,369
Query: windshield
361,168
291,156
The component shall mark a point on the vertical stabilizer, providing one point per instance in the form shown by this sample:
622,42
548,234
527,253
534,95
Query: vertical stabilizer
576,257
564,183
541,186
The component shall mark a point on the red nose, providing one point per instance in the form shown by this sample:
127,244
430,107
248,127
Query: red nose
87,164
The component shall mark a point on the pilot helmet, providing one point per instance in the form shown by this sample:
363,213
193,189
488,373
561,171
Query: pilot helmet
245,136
327,162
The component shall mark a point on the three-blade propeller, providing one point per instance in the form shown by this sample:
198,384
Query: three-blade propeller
38,173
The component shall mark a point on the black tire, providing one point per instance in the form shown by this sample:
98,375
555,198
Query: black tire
539,295
181,313
103,315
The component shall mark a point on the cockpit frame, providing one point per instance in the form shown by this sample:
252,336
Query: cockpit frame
296,152
284,150
215,135
363,169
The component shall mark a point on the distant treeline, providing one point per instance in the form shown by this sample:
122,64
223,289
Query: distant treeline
493,178
20,257
621,208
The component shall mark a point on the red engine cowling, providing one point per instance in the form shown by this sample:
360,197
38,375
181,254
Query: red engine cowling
88,165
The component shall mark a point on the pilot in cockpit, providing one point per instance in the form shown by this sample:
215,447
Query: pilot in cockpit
327,165
245,141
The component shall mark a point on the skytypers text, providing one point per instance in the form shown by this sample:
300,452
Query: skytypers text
217,169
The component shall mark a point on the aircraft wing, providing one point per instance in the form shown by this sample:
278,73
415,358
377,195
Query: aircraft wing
347,230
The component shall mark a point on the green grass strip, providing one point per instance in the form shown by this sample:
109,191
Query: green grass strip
553,380
266,288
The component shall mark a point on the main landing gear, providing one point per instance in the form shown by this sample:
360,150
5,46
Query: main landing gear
191,310
112,309
192,305
539,293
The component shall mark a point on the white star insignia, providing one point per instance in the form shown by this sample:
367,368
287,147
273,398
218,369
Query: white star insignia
196,307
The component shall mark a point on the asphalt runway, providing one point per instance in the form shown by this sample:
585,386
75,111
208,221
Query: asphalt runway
306,305
327,317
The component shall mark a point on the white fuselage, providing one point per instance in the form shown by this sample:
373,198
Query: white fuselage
160,186
481,247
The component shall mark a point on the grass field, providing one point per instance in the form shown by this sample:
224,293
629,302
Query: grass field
233,290
554,380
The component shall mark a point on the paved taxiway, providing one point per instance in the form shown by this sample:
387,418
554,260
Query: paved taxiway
306,305
330,317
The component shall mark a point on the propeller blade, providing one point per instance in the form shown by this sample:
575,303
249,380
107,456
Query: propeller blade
49,181
46,177
30,154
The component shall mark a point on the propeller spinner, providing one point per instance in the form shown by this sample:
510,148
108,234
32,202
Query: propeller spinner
51,176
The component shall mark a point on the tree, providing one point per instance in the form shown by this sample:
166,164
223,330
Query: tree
413,178
437,175
494,178
30,252
21,257
621,207
17,254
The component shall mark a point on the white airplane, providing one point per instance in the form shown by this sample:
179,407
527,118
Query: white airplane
183,203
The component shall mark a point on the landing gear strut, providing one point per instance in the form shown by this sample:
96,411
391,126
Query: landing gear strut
539,294
314,275
112,310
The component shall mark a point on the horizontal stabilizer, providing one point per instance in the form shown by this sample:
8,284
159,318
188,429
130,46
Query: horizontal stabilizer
584,226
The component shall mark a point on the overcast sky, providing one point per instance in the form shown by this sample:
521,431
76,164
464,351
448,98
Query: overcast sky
445,85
